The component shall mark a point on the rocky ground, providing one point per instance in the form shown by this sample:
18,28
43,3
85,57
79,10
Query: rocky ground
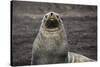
80,22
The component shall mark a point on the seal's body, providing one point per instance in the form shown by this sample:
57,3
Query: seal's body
50,45
77,58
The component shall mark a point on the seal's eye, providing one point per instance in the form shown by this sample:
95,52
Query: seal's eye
57,16
45,16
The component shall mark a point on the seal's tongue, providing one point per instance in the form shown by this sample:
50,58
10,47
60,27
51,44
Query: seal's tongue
52,23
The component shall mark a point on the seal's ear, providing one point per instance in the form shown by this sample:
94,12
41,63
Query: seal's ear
61,18
45,16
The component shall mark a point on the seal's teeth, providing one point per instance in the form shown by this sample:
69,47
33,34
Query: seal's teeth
51,19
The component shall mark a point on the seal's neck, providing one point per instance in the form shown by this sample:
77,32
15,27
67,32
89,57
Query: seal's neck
52,48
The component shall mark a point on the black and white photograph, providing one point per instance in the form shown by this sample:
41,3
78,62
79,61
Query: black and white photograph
52,33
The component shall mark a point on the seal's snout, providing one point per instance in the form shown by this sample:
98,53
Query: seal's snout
52,21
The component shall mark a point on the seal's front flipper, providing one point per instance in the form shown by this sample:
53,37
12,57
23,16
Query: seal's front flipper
77,58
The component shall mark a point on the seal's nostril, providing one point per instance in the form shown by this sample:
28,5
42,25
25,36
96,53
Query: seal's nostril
51,14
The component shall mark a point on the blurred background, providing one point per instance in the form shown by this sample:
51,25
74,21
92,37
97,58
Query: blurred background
80,22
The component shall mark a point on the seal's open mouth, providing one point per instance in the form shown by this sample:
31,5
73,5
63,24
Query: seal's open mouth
52,22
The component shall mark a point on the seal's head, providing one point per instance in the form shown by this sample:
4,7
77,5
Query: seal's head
52,22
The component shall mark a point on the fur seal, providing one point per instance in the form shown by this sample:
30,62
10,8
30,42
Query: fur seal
51,46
